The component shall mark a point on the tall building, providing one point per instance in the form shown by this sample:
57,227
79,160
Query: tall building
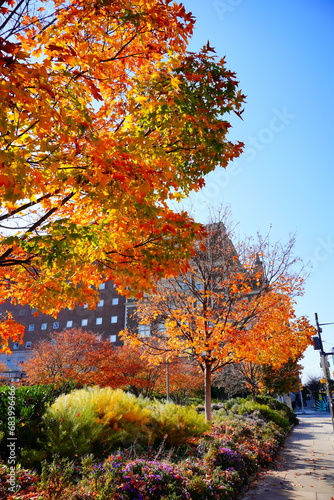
108,319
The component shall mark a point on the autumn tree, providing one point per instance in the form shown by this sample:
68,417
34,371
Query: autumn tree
256,378
281,380
229,306
65,357
105,117
80,357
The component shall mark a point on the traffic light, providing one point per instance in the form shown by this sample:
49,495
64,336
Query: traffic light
316,343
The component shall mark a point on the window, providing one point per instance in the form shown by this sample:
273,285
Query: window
33,312
161,327
114,301
144,330
15,345
112,338
22,312
113,319
99,321
44,326
85,306
102,286
84,322
69,324
100,303
56,325
31,328
29,344
9,362
21,361
53,342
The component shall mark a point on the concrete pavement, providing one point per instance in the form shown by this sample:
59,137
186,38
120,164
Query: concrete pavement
304,469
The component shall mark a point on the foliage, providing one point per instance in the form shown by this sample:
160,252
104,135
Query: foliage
267,413
283,408
94,418
151,480
25,481
70,356
176,423
281,380
56,477
30,405
105,117
218,466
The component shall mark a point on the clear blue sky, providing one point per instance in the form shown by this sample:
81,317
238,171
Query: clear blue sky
283,54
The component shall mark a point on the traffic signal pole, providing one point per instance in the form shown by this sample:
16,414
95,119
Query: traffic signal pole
323,358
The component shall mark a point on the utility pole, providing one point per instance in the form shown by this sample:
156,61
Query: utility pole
318,345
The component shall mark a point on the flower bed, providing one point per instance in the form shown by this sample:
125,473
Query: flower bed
216,465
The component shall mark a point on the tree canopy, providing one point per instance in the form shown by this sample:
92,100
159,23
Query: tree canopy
105,117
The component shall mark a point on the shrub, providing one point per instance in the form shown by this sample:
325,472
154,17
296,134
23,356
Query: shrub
30,405
176,423
279,406
94,420
268,414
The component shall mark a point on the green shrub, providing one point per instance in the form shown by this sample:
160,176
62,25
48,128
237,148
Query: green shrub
175,424
279,406
264,411
30,405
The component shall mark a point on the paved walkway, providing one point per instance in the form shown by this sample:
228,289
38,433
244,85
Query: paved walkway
304,469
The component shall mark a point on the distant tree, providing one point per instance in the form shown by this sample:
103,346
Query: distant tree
313,386
231,380
281,380
67,357
80,357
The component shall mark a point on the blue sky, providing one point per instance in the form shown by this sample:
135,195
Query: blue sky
282,52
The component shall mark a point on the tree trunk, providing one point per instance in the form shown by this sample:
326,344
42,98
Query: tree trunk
207,390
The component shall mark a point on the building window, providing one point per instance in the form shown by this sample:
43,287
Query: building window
69,324
85,306
112,338
21,361
33,312
144,330
31,328
114,301
22,312
99,321
9,362
55,325
113,319
53,342
29,344
84,322
44,326
102,286
100,303
15,345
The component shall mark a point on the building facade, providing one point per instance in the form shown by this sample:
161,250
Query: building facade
111,315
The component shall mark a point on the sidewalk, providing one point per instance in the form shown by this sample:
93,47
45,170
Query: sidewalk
304,469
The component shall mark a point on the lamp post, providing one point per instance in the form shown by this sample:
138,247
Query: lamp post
318,345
